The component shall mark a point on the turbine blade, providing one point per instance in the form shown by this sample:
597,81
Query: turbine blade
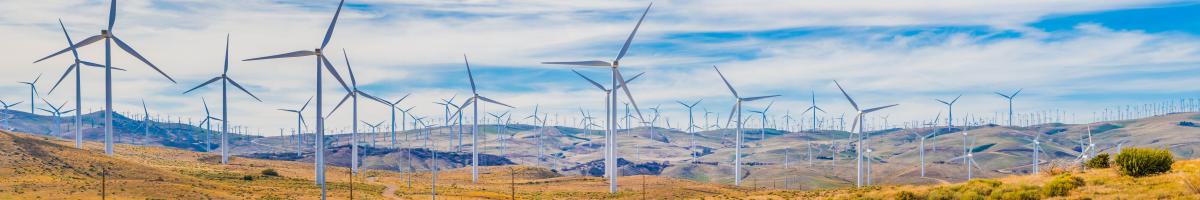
730,86
64,76
377,99
629,95
235,84
339,105
349,70
943,102
203,84
839,86
594,63
956,99
332,71
310,98
748,99
402,98
285,55
854,125
84,62
206,113
83,43
879,108
112,14
629,40
1003,95
1014,95
631,79
329,32
226,71
135,54
589,80
68,36
469,75
494,101
730,117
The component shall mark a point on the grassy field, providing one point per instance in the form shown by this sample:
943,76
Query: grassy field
37,167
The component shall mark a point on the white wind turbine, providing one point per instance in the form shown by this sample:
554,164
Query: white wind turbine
609,111
814,110
691,127
145,122
1010,103
1036,145
969,157
319,161
616,79
300,124
208,118
393,109
7,106
737,108
858,119
763,130
225,82
352,94
475,120
108,36
926,136
55,112
1089,151
76,66
33,94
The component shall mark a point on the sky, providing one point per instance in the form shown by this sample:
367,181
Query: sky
1077,56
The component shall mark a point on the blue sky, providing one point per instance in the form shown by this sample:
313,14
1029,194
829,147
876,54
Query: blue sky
1077,56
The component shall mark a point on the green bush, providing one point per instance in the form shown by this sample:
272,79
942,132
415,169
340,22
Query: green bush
1099,162
906,195
974,189
1062,185
269,172
248,178
1143,161
1012,192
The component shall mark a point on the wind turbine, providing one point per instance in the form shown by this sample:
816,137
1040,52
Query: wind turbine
145,121
208,126
691,129
225,82
616,79
609,111
737,108
814,110
300,125
352,93
763,131
33,93
475,120
858,119
1089,151
56,112
502,130
109,37
7,106
969,157
393,110
1037,149
926,136
950,106
78,99
319,161
1010,103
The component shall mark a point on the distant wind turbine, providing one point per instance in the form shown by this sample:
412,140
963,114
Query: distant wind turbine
300,124
208,126
56,112
691,127
737,108
225,82
473,101
393,110
352,94
609,111
858,120
814,110
1010,104
7,106
33,94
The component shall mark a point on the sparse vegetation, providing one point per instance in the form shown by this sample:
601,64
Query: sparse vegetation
1062,185
247,178
1099,162
1139,162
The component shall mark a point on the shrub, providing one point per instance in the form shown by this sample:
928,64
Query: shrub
269,172
248,178
1143,161
906,195
1012,192
1062,185
1099,162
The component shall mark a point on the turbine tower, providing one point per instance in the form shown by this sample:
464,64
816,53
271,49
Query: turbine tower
225,82
109,37
319,149
616,78
737,108
393,110
609,144
858,119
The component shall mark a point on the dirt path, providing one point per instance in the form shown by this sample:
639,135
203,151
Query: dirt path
389,192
